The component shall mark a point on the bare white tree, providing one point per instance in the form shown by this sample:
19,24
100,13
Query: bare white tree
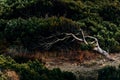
96,47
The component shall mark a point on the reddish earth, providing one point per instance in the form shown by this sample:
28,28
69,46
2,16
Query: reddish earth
84,64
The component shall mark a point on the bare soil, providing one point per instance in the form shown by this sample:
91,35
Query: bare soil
85,69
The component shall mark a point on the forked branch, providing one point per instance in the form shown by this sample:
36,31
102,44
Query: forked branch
48,43
96,46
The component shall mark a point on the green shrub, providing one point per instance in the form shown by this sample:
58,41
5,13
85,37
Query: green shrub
29,8
111,12
34,31
106,32
109,73
34,70
99,18
86,47
3,76
31,33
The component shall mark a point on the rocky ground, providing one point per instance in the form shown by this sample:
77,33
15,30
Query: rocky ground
87,69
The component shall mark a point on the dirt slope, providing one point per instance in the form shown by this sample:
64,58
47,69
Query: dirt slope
86,69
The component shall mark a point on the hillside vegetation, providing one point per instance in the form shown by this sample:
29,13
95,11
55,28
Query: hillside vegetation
24,22
29,26
32,70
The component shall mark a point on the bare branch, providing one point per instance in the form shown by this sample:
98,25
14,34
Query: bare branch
83,37
70,34
54,35
98,48
48,42
48,45
95,48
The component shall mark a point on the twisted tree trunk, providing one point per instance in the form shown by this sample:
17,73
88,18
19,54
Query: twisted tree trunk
96,47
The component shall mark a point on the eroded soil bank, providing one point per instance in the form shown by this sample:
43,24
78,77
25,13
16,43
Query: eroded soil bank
85,70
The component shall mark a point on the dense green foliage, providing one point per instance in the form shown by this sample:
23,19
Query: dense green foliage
32,32
29,23
34,70
3,76
97,18
109,73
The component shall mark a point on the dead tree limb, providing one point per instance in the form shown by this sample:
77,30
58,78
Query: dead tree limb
83,37
96,46
47,44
